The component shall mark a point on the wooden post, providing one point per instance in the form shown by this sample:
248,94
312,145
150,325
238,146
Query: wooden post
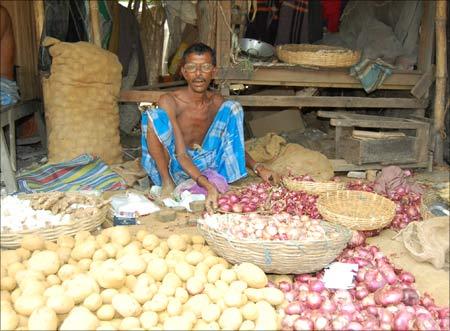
95,23
441,76
39,15
223,34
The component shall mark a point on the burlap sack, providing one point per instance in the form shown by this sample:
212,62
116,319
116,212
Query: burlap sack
81,97
428,241
283,158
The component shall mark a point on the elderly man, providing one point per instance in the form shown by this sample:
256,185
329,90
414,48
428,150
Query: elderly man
8,87
194,130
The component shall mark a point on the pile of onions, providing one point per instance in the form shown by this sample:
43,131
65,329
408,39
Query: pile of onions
281,226
272,199
407,203
383,298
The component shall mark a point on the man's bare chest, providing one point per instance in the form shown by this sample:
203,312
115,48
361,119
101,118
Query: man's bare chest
194,125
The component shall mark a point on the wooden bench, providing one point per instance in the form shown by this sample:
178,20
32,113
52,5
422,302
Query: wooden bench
9,116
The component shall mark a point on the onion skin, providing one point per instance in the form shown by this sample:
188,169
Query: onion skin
303,324
407,277
403,321
294,308
388,296
410,297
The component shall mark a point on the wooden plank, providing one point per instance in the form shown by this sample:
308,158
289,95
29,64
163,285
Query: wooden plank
340,165
7,173
361,134
347,115
376,124
420,90
298,76
223,34
327,101
426,38
95,24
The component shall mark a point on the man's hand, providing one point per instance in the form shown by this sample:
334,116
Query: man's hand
268,175
211,199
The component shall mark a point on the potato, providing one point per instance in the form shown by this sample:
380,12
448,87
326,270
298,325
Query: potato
108,294
252,275
100,255
172,280
8,283
181,294
8,319
215,272
93,302
81,236
80,287
110,275
54,290
249,311
65,241
32,242
130,282
195,285
23,253
174,307
64,254
238,285
228,275
126,305
67,271
50,246
150,242
157,269
211,313
133,248
197,303
60,303
267,317
84,264
15,294
148,319
5,296
32,286
273,295
106,327
247,325
101,239
177,323
53,280
254,294
143,294
84,250
211,260
25,304
79,318
106,312
140,235
234,298
159,302
120,235
130,323
29,274
231,319
176,241
14,268
132,264
194,257
212,292
43,318
200,325
111,249
199,240
184,270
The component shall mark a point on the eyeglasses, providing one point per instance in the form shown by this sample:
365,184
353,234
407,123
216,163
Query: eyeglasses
204,67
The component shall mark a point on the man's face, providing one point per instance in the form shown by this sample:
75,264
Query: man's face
198,71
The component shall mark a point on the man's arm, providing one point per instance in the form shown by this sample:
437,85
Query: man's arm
260,169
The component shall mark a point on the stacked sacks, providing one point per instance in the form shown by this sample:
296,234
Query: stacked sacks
81,97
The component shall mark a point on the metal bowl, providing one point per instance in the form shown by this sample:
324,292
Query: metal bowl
256,48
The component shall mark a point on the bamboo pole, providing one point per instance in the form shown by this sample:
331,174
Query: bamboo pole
441,76
95,23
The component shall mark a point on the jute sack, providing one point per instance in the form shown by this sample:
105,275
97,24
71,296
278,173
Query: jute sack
81,97
428,241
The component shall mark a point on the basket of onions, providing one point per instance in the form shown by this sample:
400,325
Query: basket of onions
280,244
356,210
308,185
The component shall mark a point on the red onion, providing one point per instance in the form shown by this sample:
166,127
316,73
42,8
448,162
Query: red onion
316,286
303,324
313,300
407,277
288,322
374,280
361,292
328,306
303,278
354,326
357,239
388,273
403,321
225,207
388,296
233,198
341,322
294,308
410,297
284,286
322,323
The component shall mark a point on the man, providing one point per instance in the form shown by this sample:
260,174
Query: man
194,130
8,86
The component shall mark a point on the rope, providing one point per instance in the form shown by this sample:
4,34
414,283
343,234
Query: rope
234,51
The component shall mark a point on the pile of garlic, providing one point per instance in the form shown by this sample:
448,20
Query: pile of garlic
18,215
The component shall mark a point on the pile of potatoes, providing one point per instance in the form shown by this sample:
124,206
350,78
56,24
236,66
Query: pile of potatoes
114,281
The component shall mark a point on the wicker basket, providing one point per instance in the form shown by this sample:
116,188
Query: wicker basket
279,257
318,55
312,187
357,210
13,240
